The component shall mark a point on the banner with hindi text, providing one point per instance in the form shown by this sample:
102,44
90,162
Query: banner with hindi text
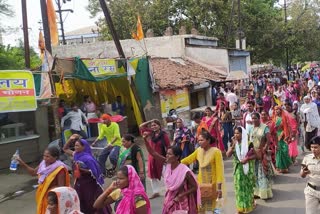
17,91
174,99
102,67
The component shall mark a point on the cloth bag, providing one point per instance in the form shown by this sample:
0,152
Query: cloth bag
181,211
208,191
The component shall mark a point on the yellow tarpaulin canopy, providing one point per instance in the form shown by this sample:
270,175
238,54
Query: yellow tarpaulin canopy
102,92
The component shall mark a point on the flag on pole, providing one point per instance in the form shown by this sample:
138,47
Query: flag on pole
41,45
52,23
139,34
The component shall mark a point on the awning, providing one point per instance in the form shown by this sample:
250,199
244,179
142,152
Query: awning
237,75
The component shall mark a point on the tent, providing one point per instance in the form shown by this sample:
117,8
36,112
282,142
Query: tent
103,80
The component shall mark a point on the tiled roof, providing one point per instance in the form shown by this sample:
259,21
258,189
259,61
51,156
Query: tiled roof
177,73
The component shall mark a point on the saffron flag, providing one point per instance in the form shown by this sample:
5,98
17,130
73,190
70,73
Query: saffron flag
41,45
52,23
139,34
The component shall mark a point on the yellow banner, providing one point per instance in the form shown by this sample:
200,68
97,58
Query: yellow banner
102,67
174,99
17,91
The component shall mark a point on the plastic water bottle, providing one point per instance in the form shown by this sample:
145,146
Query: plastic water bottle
219,206
14,163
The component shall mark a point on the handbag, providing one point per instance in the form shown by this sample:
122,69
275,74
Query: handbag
181,211
208,191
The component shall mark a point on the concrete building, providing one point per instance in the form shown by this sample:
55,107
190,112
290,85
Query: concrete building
83,35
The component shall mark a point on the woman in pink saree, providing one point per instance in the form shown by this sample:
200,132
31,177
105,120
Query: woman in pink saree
182,191
214,128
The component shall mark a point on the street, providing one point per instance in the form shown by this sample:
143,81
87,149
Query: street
287,190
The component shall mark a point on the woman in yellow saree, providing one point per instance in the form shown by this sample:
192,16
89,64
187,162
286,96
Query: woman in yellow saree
51,173
211,169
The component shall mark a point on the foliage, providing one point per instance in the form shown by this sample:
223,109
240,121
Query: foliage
13,58
262,23
5,9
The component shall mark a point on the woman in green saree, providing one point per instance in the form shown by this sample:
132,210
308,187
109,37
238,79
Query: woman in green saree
243,176
282,120
131,154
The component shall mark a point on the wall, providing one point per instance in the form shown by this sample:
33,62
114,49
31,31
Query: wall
167,46
210,56
41,121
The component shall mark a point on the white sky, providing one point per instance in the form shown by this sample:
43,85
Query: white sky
78,19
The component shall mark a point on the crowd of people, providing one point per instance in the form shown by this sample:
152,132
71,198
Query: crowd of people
262,133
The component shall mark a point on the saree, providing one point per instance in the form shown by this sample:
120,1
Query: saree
127,204
263,181
184,139
176,183
215,131
129,157
283,160
243,176
89,186
46,185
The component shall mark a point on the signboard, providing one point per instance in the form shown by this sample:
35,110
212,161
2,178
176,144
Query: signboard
102,67
17,91
174,99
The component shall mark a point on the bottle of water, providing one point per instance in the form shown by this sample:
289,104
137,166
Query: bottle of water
14,163
219,206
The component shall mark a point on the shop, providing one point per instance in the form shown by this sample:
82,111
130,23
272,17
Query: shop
23,126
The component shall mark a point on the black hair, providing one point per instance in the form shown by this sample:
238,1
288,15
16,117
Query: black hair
250,102
129,137
221,94
196,116
73,105
53,151
124,170
85,97
176,151
206,135
256,114
156,122
314,140
239,129
52,197
209,108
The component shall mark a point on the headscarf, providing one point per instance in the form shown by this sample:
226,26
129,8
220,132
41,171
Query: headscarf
68,200
44,171
135,188
242,153
90,162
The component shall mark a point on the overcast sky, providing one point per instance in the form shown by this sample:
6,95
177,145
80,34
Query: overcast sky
80,18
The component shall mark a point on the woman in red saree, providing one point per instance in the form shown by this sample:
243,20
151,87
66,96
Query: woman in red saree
214,128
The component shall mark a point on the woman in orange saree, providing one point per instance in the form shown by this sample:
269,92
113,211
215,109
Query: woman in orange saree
51,173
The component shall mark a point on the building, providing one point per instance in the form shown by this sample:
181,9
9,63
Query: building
80,36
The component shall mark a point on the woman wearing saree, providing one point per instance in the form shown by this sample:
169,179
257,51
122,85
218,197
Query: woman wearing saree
132,154
182,191
211,169
214,128
243,176
225,118
63,200
51,173
88,176
259,136
184,138
265,119
282,120
127,193
267,101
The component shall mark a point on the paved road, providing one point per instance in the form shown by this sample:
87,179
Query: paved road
287,189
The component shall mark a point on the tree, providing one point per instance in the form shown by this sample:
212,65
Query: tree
263,24
13,58
5,9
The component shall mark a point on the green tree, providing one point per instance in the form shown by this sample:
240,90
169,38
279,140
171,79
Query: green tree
13,58
5,8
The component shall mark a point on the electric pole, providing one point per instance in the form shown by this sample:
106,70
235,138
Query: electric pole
60,11
45,24
25,34
286,47
239,24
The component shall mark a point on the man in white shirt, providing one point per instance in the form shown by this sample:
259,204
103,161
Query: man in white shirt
310,84
77,118
231,98
310,116
247,120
